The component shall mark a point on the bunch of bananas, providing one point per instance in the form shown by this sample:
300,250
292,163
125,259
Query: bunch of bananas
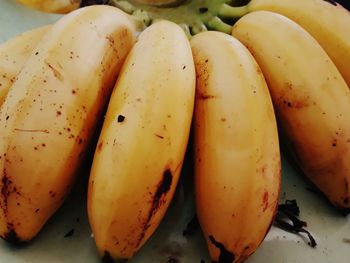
150,84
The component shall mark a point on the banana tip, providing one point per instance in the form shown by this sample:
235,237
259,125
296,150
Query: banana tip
12,238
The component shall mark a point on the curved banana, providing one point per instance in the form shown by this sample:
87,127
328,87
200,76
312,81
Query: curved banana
311,99
52,6
237,158
51,111
327,21
13,55
141,148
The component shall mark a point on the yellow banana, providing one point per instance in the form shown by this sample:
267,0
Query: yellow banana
237,158
327,21
311,99
142,144
51,111
13,55
52,6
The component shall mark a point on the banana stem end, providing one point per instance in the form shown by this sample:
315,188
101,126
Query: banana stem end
235,12
217,24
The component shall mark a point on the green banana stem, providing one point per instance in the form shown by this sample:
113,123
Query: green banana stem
142,19
226,10
217,24
199,15
143,16
123,5
197,28
187,30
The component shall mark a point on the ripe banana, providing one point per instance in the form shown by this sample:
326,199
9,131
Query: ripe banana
237,158
327,21
13,55
311,99
141,148
51,111
52,6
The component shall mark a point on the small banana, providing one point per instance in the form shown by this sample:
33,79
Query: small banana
51,111
141,148
13,55
52,6
327,21
237,158
311,99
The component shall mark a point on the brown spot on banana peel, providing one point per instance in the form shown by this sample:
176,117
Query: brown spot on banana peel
100,145
225,255
159,136
206,96
295,104
157,201
5,190
265,199
55,71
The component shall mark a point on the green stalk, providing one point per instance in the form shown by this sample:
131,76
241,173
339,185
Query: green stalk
142,19
197,28
123,5
186,29
217,24
233,11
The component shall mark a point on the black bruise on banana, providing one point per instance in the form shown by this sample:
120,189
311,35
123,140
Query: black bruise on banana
121,118
107,258
162,189
12,237
225,255
6,190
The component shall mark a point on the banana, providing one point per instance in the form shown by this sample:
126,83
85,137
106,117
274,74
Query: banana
327,21
51,111
311,99
141,147
236,148
13,55
52,6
